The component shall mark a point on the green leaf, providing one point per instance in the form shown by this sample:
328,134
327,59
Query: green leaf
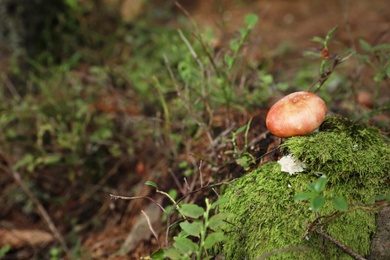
241,129
182,234
245,160
319,185
217,220
267,79
305,196
188,172
379,77
172,193
193,228
172,253
214,238
183,164
229,61
100,134
365,46
331,32
234,45
318,39
244,32
380,197
385,47
169,208
26,160
311,187
218,202
192,210
284,86
72,3
4,250
150,183
251,20
317,203
51,158
159,254
388,71
185,245
340,203
310,54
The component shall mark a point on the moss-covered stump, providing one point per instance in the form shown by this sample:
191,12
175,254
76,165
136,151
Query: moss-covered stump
268,222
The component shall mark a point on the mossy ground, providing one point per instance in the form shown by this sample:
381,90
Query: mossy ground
356,160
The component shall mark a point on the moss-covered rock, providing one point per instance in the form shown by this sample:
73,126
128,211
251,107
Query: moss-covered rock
343,149
267,221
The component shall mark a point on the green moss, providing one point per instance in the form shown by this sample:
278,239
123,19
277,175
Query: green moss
343,149
266,219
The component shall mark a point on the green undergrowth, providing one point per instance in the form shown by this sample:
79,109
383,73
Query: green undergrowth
268,223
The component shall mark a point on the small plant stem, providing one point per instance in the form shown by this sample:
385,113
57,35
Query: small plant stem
186,103
325,74
205,92
115,197
196,58
167,121
205,187
248,126
176,204
199,36
241,44
204,230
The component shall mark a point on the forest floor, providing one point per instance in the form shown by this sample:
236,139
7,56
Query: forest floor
103,225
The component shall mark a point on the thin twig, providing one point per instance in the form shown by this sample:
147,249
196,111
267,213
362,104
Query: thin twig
196,58
151,228
200,173
12,89
205,187
176,180
185,101
348,250
41,210
204,95
313,225
115,197
186,184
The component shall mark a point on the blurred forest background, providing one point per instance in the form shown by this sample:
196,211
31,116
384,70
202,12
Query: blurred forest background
99,97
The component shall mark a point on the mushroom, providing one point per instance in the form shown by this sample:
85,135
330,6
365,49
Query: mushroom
298,113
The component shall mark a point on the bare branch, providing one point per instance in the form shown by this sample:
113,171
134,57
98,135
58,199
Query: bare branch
348,250
41,210
115,197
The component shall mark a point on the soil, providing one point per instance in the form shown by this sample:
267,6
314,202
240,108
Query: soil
284,31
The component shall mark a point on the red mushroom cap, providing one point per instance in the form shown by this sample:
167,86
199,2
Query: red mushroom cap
298,113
